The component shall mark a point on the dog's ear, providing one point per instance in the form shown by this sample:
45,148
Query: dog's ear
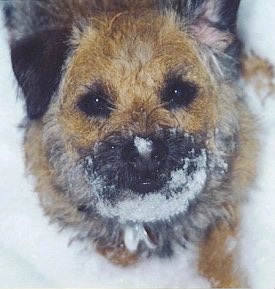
212,21
37,62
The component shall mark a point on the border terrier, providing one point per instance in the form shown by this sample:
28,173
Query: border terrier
136,131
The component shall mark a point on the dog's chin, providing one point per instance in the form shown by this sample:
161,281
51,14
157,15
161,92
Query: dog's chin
171,199
136,212
147,214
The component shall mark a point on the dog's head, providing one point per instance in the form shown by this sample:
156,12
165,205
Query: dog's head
138,116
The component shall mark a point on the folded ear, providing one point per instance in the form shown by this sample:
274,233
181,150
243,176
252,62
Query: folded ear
212,21
37,62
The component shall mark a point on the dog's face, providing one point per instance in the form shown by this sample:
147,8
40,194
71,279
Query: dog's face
136,122
142,130
138,117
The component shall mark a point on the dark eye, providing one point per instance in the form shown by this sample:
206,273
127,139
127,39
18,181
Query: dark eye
178,93
95,103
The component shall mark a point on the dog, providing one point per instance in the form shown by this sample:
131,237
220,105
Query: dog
136,130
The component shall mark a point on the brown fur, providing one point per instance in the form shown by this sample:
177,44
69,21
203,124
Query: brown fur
259,73
164,50
216,261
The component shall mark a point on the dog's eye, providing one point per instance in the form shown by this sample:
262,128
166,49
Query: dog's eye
178,93
94,104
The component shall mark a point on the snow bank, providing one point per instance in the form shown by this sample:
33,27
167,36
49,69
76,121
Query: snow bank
258,227
256,27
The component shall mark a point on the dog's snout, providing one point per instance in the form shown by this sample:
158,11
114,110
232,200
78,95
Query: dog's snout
146,158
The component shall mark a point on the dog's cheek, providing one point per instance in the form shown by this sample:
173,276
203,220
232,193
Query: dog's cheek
37,62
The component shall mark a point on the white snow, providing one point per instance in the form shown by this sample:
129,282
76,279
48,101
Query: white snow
155,206
256,27
144,146
258,226
258,242
34,254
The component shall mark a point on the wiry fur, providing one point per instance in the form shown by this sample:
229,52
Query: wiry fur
71,46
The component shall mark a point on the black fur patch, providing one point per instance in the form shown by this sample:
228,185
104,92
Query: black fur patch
37,62
225,11
8,11
228,15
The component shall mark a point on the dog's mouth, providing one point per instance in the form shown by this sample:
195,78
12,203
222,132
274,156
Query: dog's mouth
147,182
154,201
149,185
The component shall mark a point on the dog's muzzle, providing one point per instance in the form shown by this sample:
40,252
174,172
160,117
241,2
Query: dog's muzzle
146,178
144,165
138,181
146,159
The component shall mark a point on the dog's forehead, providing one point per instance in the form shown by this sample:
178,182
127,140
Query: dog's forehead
131,57
132,48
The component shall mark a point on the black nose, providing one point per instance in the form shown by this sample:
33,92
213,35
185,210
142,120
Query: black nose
144,154
146,158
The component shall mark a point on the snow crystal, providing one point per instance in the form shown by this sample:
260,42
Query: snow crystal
144,146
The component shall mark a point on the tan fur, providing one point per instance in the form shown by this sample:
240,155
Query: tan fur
216,261
39,166
165,48
259,73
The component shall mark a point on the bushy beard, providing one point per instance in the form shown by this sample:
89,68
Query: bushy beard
152,223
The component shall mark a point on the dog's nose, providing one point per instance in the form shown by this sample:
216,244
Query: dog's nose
146,157
145,154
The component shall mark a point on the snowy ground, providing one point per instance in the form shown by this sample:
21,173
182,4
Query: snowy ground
256,28
34,254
